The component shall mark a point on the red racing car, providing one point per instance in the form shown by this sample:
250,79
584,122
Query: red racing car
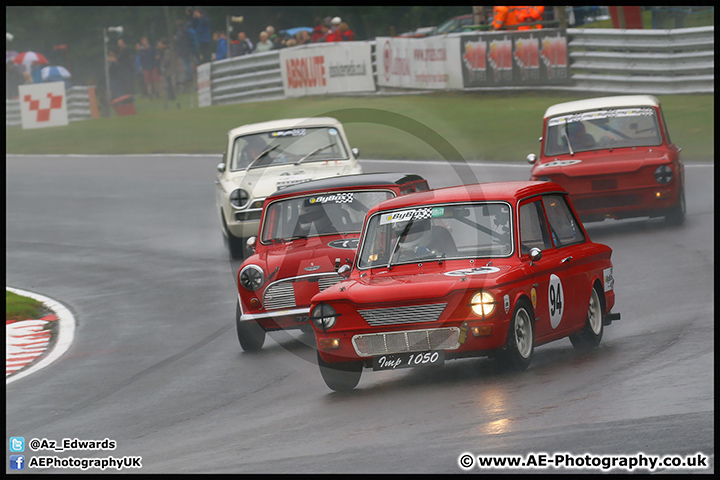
615,158
491,269
306,232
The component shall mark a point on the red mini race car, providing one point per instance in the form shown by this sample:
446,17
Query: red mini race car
491,269
615,158
306,232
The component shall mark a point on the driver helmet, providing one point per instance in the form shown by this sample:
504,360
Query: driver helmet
419,234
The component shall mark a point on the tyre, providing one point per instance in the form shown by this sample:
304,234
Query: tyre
676,214
235,245
520,342
341,377
589,337
250,334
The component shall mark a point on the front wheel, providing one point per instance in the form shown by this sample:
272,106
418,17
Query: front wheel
676,214
589,337
341,377
250,334
520,339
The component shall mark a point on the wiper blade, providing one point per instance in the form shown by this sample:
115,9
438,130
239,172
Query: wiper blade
262,154
313,153
567,138
397,242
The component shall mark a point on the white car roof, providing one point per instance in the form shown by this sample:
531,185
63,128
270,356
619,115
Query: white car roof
603,102
283,124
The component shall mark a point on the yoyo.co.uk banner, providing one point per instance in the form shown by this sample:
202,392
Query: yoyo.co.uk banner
342,67
426,63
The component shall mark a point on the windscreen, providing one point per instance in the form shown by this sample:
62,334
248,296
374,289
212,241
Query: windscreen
319,214
435,232
600,129
288,146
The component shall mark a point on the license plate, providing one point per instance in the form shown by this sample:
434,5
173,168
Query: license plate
408,359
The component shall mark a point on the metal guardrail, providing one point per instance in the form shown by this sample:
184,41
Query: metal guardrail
643,61
78,107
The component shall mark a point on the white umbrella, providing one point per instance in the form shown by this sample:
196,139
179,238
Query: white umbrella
54,73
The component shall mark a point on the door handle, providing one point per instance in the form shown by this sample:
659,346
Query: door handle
566,259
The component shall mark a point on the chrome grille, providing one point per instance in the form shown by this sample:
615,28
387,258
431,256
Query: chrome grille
325,282
371,344
396,315
279,295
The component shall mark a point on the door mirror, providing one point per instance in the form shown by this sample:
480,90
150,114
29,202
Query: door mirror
535,255
531,158
344,271
221,167
355,152
251,243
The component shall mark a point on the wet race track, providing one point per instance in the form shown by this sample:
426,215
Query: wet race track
132,246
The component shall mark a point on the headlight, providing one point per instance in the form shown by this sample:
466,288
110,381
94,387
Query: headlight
663,174
323,316
239,198
483,303
252,277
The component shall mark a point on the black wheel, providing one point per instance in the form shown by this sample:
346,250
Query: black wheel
520,339
589,337
236,245
250,334
676,214
341,377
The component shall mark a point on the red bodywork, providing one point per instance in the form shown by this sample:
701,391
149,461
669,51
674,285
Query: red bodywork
615,181
418,291
296,270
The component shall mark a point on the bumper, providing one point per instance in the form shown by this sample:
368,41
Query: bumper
650,201
248,226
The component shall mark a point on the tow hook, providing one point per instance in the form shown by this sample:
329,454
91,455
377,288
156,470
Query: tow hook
610,317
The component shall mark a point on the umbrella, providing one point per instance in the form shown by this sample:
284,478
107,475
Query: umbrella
28,58
49,74
292,31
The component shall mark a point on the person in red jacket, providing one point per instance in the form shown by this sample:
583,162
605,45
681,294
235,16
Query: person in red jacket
346,35
508,17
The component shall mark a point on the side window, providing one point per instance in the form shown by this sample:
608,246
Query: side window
533,229
564,228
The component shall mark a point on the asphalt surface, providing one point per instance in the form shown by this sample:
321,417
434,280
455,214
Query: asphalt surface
132,246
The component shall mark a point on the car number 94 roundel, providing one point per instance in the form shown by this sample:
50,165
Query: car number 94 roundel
408,359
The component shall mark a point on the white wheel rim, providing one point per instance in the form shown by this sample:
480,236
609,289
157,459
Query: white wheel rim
523,333
594,313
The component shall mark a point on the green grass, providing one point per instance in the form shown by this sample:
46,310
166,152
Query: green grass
18,307
480,126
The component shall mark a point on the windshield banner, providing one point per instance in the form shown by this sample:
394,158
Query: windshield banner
600,114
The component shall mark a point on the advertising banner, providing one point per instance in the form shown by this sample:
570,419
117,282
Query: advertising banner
43,105
342,67
519,58
427,63
203,84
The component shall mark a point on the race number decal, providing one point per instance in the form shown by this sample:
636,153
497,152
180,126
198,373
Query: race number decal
556,300
608,281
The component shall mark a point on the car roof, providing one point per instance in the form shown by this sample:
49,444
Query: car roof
344,181
512,192
602,102
284,123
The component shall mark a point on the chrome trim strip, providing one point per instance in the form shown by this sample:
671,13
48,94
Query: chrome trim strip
247,317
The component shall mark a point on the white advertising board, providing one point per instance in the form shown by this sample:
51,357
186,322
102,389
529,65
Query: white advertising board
321,69
43,105
432,62
204,86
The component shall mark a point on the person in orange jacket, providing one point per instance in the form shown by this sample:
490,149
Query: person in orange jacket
508,17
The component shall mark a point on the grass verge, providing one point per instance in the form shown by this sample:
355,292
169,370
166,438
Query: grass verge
18,307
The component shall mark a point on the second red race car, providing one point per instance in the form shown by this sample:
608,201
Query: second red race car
307,233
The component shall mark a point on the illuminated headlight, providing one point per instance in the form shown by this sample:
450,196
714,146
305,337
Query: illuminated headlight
252,277
239,198
483,303
663,174
323,316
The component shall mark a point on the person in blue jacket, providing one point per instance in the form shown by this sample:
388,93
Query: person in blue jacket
201,24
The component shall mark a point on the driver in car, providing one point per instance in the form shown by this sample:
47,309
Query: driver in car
579,138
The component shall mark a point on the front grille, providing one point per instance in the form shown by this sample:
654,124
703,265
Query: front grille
282,294
247,216
371,344
326,282
378,317
279,295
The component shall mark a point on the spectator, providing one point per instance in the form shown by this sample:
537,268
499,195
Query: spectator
508,17
273,38
264,44
126,68
116,84
201,24
13,79
148,66
319,30
302,37
291,43
241,46
346,35
186,48
168,62
222,47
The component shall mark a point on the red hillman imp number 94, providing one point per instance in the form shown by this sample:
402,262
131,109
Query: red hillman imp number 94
477,270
